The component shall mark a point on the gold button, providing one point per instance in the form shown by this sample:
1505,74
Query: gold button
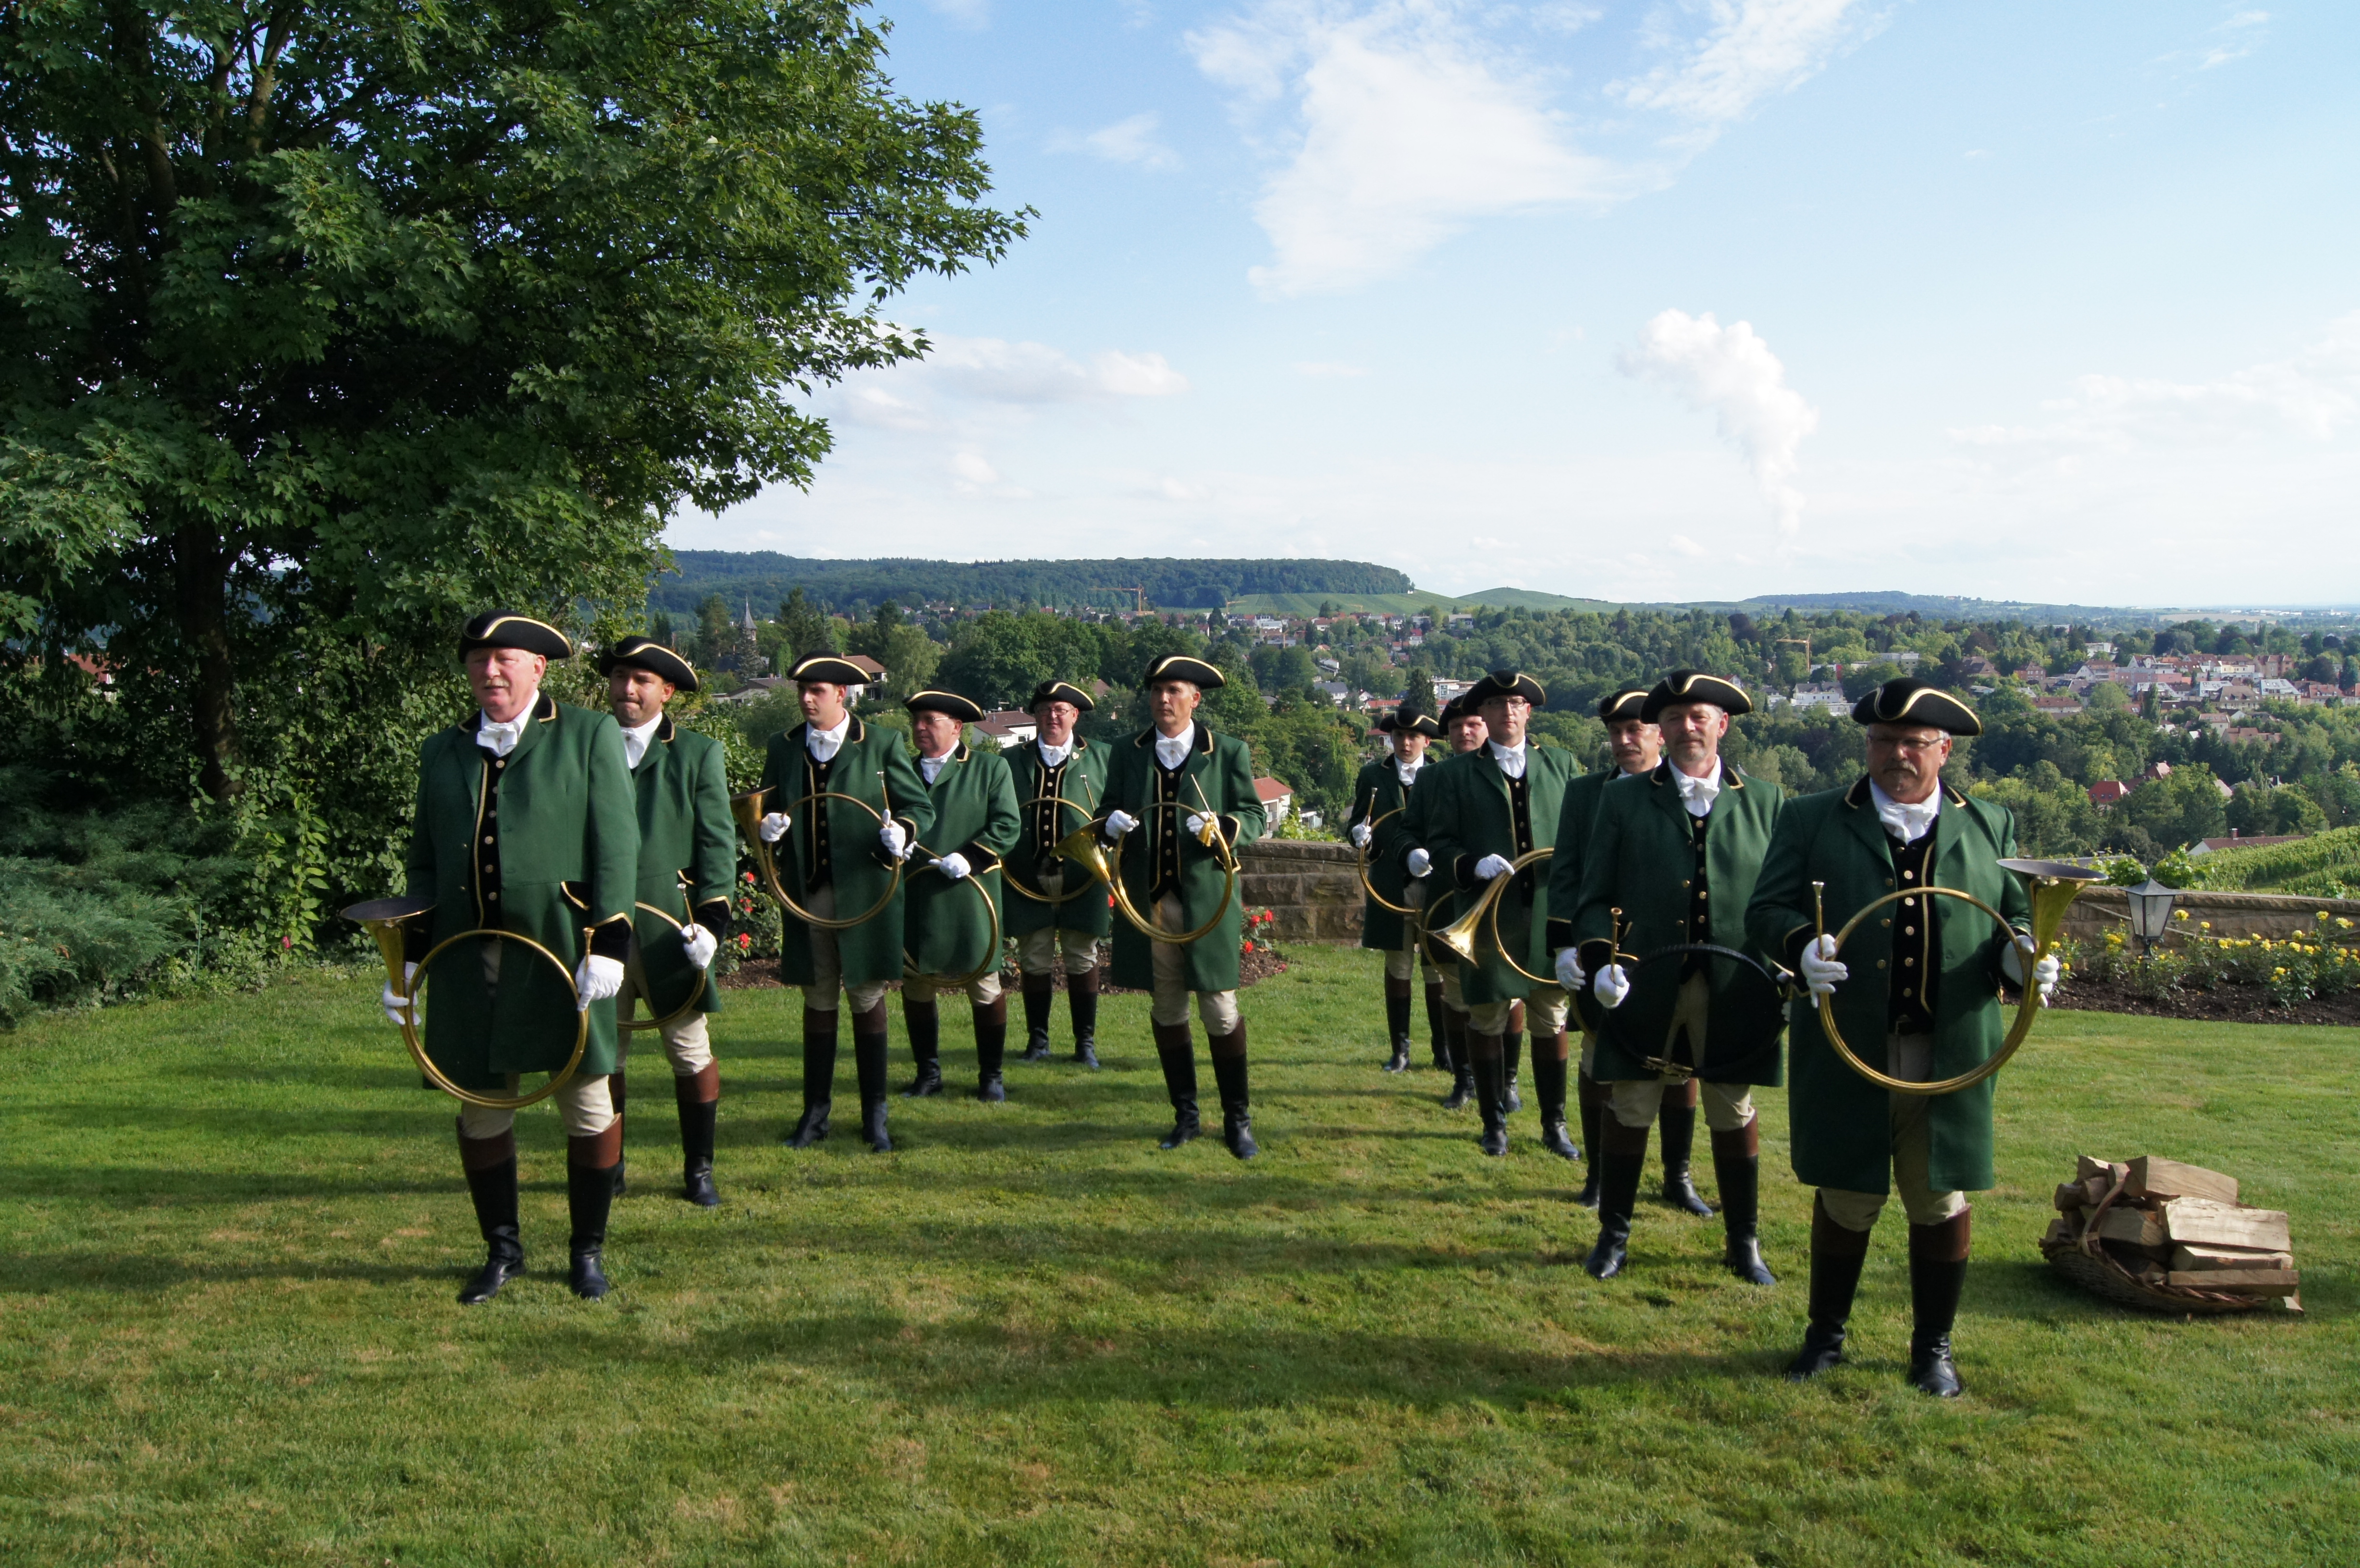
1704,893
487,838
1909,876
493,895
1889,881
1909,931
1884,922
1910,963
1880,964
1904,990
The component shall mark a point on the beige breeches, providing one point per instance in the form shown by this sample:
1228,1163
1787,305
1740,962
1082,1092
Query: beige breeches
827,969
1169,963
1910,1057
1037,950
1544,1013
685,1043
583,1104
983,990
1727,1106
1403,962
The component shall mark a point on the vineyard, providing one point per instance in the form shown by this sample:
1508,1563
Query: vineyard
2324,866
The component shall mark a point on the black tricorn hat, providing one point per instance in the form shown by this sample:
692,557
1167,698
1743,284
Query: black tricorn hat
1685,686
1060,691
949,702
835,671
1630,703
1180,667
505,628
1504,683
646,653
1412,719
1906,700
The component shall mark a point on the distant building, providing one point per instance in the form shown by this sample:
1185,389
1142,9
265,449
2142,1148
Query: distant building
2256,840
2104,793
1009,727
1277,800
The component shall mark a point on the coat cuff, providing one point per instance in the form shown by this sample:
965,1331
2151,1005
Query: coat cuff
1462,871
611,938
417,940
1793,944
713,916
1596,955
980,859
1559,934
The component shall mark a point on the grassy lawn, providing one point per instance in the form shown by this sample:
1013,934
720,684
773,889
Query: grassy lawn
235,1229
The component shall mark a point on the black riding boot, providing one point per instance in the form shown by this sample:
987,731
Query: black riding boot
1592,1094
1837,1255
990,1046
699,1098
1491,1100
589,1193
1937,1274
617,1093
1511,1056
1548,1086
1462,1065
491,1168
819,1078
924,1022
1621,1158
1178,1058
1397,1024
1040,997
1679,1122
1082,996
1230,1072
1737,1167
868,1060
1437,1038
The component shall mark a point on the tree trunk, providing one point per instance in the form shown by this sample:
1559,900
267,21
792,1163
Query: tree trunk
202,564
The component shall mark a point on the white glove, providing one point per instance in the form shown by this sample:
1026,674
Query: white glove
1420,863
396,1010
595,980
1195,825
1569,972
775,826
953,866
896,842
1610,986
1491,866
698,943
1361,835
1119,824
1822,971
2045,973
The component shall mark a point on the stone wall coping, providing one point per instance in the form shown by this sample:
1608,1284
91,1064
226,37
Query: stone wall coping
2255,903
1299,849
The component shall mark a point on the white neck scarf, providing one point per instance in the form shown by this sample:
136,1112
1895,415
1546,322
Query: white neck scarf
1055,755
931,767
500,739
1408,771
822,744
1510,758
635,741
1173,750
1906,822
1699,794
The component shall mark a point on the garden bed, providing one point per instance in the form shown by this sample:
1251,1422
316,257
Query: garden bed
2223,1004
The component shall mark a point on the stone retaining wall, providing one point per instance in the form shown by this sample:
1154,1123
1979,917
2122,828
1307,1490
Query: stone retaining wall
2100,909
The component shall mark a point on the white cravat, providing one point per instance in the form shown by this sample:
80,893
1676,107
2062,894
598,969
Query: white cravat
500,739
1408,771
932,766
635,741
1173,750
1055,755
822,744
1906,822
1699,794
1510,758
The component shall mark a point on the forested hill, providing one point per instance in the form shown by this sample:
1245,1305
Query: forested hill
765,578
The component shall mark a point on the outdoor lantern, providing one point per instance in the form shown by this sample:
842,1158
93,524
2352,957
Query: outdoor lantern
2151,904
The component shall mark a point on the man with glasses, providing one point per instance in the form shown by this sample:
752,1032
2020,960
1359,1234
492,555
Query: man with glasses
1059,776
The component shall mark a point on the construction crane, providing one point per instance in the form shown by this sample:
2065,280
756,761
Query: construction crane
1136,590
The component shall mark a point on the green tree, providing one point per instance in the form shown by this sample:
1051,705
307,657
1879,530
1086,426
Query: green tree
366,316
910,657
808,628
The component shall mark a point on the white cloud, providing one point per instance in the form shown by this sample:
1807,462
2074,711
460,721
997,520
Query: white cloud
996,370
1126,141
1731,373
1751,49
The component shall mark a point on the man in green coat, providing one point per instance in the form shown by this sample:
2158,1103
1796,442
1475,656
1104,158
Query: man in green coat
524,825
1462,732
688,862
1635,747
1491,806
1378,828
949,930
1926,1006
838,859
1187,795
1053,910
1676,854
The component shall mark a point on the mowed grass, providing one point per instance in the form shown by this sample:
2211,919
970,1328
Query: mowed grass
234,1231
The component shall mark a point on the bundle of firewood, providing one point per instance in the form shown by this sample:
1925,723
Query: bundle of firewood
2156,1233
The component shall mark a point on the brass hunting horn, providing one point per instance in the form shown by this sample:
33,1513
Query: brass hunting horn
688,1004
991,912
1484,916
1007,873
748,810
383,919
1367,886
2053,884
1082,848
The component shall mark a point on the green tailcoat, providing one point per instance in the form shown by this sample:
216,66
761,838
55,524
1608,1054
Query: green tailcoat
974,797
1379,792
873,767
1574,821
1641,858
1217,775
1053,802
688,856
564,856
1841,1121
1469,817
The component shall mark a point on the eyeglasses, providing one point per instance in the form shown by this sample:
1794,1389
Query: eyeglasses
1891,745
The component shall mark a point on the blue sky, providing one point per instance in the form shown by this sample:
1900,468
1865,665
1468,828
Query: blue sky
1696,299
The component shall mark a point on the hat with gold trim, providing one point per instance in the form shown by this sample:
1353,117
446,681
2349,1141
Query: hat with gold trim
1504,683
646,653
1414,721
1060,691
1180,667
1906,700
949,702
835,671
505,628
1631,703
1682,687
